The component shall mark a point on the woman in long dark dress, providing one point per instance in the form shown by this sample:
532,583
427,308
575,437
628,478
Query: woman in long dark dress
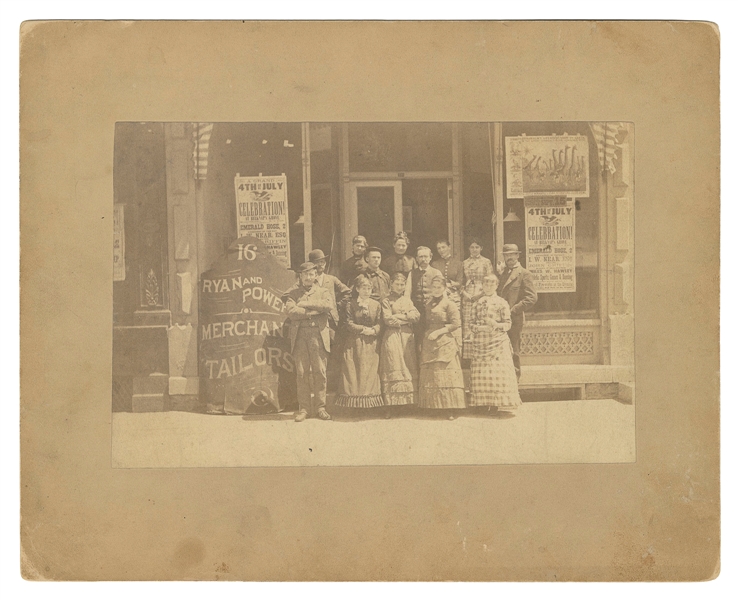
398,363
360,385
493,379
441,378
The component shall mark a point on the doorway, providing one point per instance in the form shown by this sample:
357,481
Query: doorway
378,216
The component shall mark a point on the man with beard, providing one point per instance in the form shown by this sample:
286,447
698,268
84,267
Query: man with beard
418,287
453,271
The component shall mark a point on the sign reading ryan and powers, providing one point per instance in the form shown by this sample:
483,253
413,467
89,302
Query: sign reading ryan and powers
245,360
261,209
550,243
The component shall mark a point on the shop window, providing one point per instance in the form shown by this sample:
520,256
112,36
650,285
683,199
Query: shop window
584,302
425,211
399,147
324,189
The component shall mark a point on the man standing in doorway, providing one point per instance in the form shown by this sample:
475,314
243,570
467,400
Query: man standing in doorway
308,307
418,287
516,286
356,264
380,279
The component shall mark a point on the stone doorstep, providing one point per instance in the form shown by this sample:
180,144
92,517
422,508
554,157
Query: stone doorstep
156,383
558,375
148,403
184,386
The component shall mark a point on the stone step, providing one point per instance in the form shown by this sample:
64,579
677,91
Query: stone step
148,403
156,383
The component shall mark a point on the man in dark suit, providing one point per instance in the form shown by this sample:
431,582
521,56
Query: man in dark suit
516,286
418,288
379,279
308,307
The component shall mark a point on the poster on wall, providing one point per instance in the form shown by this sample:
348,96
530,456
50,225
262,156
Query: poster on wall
261,209
119,244
246,365
550,243
547,165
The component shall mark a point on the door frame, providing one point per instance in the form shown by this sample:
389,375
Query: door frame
351,216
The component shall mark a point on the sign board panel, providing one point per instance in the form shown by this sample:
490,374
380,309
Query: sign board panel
261,209
550,243
245,360
119,244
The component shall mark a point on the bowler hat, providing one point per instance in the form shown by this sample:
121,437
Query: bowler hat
510,249
316,255
306,266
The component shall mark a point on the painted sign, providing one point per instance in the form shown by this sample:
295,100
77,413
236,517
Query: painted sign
550,243
261,209
547,165
245,360
119,244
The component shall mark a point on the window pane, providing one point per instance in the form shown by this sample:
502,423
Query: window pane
399,147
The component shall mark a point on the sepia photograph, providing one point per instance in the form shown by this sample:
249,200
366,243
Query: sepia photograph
369,300
373,293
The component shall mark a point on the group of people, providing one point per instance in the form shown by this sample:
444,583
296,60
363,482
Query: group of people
397,328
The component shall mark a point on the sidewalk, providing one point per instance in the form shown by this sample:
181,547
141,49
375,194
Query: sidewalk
589,431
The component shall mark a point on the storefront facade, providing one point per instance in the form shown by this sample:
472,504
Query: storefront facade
175,194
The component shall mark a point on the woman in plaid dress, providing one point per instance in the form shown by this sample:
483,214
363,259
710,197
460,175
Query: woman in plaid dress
475,267
493,379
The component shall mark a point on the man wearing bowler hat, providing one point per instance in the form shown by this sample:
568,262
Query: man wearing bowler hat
516,286
338,293
308,308
337,290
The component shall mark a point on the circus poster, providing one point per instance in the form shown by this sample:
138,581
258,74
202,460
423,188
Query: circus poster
551,165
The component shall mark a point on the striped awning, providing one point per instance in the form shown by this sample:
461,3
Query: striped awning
201,133
605,135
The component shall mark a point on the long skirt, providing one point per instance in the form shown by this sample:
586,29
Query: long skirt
398,366
441,377
360,387
493,379
455,297
467,350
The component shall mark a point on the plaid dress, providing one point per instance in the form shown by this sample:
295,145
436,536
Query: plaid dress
474,270
493,379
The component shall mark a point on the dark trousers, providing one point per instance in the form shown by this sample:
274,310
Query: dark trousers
310,363
419,327
514,334
333,368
